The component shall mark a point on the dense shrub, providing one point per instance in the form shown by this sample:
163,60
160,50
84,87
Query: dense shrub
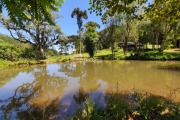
31,53
52,52
9,51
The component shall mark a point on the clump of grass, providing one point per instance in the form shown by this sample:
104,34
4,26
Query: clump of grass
89,111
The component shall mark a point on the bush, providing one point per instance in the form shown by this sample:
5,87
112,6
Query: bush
31,53
52,52
9,52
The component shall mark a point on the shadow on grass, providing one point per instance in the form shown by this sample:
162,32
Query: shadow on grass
107,56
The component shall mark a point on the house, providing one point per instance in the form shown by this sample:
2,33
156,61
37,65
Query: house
131,45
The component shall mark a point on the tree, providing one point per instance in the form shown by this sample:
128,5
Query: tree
64,44
118,35
127,9
38,33
91,37
74,41
103,39
109,8
145,31
165,20
112,25
158,11
79,16
40,9
164,10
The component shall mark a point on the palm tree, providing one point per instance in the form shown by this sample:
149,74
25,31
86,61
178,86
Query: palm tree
79,14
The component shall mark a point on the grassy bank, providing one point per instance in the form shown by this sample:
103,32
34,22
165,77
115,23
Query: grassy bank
54,59
142,55
102,54
154,55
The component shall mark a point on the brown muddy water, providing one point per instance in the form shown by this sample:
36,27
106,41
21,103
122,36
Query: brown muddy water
55,91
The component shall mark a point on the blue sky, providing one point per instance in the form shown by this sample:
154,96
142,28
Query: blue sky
68,24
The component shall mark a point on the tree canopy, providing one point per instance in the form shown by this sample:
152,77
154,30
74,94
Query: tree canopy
38,33
40,9
91,37
167,9
79,16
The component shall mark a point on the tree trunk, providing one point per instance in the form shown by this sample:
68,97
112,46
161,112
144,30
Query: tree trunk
161,48
112,49
125,46
42,52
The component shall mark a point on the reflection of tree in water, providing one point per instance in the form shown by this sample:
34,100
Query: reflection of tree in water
81,97
37,100
130,74
8,74
88,78
75,69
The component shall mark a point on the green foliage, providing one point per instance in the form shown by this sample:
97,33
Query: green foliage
103,39
79,16
30,53
40,9
89,111
10,40
130,106
74,39
91,37
155,55
39,34
115,7
9,52
52,52
89,47
164,11
117,106
160,24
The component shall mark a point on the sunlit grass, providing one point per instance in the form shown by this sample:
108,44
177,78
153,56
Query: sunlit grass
5,63
105,54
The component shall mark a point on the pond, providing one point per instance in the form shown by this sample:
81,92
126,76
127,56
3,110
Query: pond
57,90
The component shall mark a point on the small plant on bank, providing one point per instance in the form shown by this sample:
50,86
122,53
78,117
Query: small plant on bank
89,111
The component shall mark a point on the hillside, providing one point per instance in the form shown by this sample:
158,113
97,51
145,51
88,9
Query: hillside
10,40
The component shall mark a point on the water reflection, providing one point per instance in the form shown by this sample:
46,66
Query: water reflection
7,75
174,66
82,96
142,75
54,90
38,99
87,78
